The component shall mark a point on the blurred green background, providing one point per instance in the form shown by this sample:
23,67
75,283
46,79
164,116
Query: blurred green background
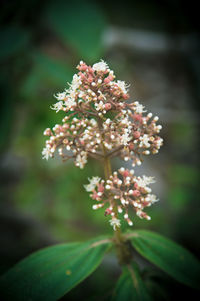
152,45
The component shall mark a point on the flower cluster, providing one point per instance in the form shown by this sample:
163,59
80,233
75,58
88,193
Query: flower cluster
99,122
123,190
98,119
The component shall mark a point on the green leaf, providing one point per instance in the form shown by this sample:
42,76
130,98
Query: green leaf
168,256
78,24
130,286
50,273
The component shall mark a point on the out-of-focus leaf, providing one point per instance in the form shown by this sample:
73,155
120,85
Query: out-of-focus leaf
179,197
167,255
130,286
79,24
46,72
50,273
13,39
183,174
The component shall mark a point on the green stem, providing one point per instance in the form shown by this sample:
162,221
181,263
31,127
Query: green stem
123,247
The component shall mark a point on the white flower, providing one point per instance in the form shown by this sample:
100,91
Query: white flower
152,198
115,223
93,183
60,96
46,153
139,213
95,180
69,103
89,187
159,142
144,141
139,108
123,86
93,122
101,66
76,82
99,106
81,159
143,182
57,106
125,138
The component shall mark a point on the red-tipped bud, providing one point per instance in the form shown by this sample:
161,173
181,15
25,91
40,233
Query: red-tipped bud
136,134
81,75
137,117
90,79
107,212
107,80
83,67
136,193
136,186
95,196
100,188
126,173
108,106
90,69
125,96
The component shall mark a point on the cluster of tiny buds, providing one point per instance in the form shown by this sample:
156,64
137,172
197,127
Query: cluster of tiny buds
99,122
123,190
87,129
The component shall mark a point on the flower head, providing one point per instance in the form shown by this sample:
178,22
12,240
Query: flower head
100,123
126,191
86,130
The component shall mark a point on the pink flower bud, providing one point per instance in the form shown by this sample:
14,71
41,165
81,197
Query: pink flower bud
90,79
81,75
126,173
107,80
108,106
107,212
136,134
137,117
83,67
136,193
95,196
110,77
125,96
100,188
90,70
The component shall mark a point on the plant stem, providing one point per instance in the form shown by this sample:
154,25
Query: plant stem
123,247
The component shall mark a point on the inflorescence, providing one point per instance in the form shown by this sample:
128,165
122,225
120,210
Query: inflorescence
99,123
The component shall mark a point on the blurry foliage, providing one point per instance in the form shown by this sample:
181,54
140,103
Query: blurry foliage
41,44
80,25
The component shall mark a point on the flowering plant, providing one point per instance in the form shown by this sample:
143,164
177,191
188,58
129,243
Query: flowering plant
100,122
